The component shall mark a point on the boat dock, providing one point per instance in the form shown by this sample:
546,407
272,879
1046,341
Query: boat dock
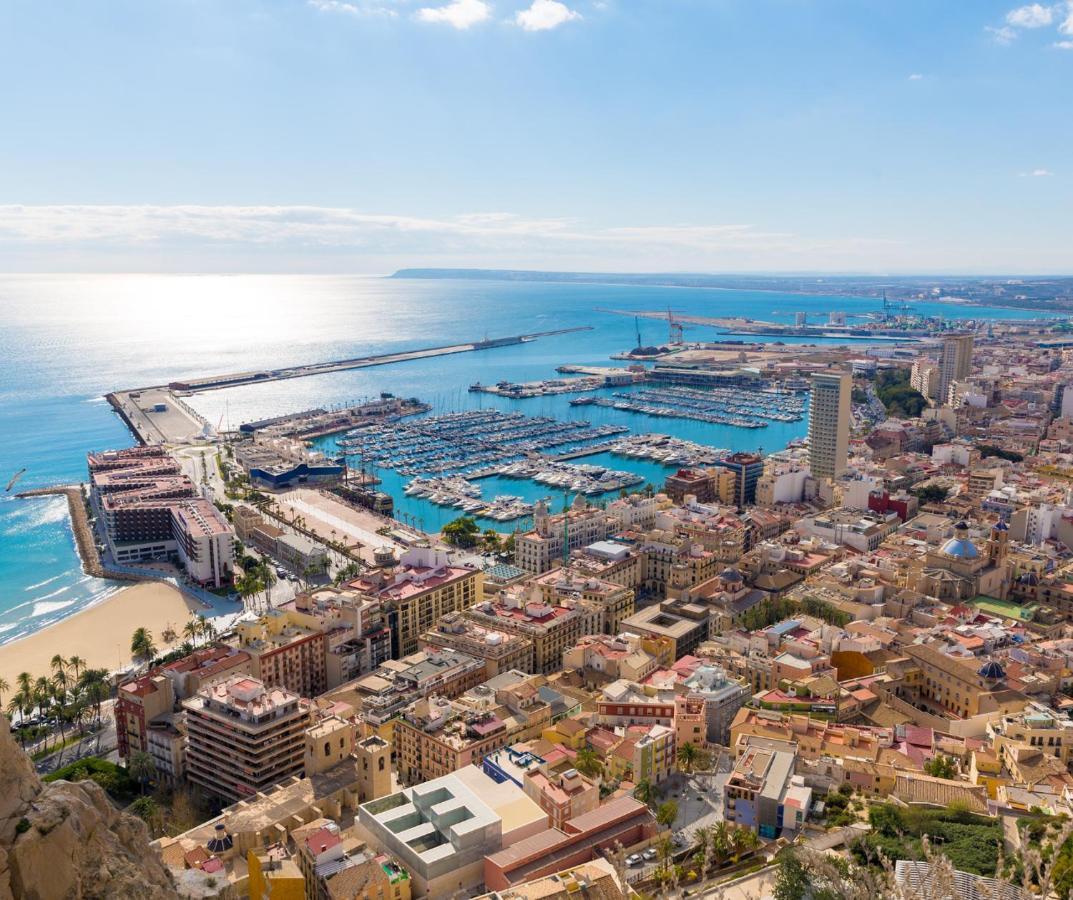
158,415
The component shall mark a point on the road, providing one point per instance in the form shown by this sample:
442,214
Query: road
101,743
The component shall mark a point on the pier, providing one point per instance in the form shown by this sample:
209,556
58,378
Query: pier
83,531
215,382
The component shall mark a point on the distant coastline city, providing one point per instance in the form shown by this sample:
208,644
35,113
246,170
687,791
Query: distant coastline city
619,606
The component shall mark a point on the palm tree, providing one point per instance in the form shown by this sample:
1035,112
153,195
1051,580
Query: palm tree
94,685
719,842
249,585
192,629
646,792
4,688
21,703
687,756
267,578
588,763
205,628
42,697
59,670
741,841
141,767
142,646
169,634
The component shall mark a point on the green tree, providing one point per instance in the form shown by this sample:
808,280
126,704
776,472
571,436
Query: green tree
687,756
462,532
940,766
792,881
141,767
931,493
94,686
142,646
742,840
249,585
646,792
588,763
667,813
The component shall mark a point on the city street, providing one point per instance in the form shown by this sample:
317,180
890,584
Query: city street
100,743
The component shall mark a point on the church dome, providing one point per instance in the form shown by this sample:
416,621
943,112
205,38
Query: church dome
729,574
992,670
960,548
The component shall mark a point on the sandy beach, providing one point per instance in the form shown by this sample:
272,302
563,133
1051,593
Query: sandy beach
100,634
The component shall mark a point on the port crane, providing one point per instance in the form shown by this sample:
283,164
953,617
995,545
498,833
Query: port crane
889,307
674,328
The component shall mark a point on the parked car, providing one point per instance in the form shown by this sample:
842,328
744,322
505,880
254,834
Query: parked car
634,860
650,854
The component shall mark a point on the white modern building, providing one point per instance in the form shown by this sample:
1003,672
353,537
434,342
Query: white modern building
441,830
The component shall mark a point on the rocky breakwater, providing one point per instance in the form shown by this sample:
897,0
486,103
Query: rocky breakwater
65,841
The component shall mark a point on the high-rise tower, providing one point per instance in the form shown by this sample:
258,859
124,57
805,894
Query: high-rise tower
828,423
955,363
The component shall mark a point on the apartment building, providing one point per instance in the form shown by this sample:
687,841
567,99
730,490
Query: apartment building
419,592
562,795
287,649
554,536
435,736
501,650
138,702
610,561
383,694
614,601
1037,726
552,628
955,362
203,667
244,737
763,793
599,657
147,510
624,703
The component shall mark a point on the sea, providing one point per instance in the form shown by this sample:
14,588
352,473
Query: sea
66,340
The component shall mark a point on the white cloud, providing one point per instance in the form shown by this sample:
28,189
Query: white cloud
1066,25
459,14
544,15
916,76
1033,15
311,237
1036,173
1064,45
359,8
1003,35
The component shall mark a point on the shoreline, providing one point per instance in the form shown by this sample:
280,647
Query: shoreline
100,633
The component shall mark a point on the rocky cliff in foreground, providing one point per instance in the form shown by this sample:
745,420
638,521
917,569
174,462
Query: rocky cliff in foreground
64,841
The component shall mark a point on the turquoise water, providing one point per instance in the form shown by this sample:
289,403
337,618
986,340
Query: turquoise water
66,340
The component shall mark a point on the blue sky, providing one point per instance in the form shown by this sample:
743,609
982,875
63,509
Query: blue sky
640,135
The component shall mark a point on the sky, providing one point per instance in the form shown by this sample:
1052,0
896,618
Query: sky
887,136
